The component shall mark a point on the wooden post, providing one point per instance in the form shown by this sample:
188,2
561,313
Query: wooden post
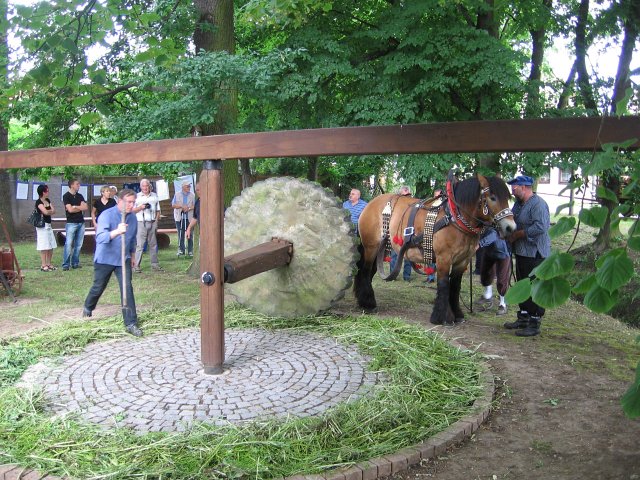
211,267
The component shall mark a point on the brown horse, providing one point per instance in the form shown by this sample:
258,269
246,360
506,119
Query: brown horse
468,206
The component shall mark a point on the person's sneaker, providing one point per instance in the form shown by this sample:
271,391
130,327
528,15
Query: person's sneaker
65,269
86,312
137,270
190,254
483,304
157,268
180,253
134,330
502,310
76,266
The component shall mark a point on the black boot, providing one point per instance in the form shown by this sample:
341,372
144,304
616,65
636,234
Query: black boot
521,322
532,329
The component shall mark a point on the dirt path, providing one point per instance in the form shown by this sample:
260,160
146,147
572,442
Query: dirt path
557,414
554,417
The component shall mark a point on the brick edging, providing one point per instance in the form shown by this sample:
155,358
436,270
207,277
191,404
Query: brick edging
430,448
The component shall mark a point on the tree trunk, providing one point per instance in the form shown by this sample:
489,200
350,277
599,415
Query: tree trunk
611,179
563,101
581,58
312,169
5,178
534,105
214,32
631,33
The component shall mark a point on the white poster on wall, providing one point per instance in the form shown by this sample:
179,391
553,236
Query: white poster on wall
22,191
162,190
96,190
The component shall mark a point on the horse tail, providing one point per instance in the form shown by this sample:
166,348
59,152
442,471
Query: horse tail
362,289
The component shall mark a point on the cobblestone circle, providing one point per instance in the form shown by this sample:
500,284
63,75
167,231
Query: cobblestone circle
158,384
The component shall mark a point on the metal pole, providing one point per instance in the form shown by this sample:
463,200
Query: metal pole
211,267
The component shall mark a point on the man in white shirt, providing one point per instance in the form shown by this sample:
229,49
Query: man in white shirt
147,210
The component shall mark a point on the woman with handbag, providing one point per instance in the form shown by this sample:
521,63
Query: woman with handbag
45,239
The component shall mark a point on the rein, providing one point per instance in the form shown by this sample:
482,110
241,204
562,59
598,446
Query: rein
461,223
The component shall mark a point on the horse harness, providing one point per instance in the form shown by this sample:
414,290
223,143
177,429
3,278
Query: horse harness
424,241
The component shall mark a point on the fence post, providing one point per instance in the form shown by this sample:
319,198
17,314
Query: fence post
211,267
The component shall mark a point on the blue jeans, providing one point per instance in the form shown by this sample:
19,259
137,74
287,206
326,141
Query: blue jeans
406,268
74,238
101,275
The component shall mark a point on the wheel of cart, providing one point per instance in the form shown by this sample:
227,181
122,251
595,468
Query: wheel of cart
11,277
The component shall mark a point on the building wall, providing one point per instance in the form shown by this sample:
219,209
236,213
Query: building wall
551,187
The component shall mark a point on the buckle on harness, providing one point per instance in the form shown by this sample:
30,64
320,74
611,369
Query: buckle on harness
408,231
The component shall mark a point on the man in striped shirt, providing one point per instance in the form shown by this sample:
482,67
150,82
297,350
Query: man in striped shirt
355,205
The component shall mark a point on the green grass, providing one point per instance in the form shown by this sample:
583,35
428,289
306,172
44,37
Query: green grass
50,293
428,385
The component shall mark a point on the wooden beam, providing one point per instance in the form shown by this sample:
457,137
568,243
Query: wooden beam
257,259
530,135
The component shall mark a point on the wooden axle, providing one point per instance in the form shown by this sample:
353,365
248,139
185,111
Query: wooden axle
261,258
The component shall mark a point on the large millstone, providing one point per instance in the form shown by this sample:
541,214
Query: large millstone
324,252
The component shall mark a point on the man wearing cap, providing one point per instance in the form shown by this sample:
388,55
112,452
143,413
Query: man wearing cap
531,244
183,204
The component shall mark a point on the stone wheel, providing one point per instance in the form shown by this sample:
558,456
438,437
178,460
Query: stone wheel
324,251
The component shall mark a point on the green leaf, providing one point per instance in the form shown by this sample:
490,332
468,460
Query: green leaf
60,81
620,210
99,77
631,399
600,300
634,243
89,118
550,293
563,206
594,217
615,272
616,252
161,59
41,74
584,285
518,292
554,265
81,100
69,45
604,192
562,226
602,161
146,55
104,108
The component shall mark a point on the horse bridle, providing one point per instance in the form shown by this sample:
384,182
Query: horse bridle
505,212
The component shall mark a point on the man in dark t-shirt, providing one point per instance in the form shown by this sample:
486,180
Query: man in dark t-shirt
74,207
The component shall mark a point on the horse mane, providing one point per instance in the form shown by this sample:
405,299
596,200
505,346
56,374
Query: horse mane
467,191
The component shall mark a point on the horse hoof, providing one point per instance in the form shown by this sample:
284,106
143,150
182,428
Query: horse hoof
459,321
435,321
370,310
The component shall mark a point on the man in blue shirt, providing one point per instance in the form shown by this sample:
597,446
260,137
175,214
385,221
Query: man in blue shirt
531,245
355,205
108,257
